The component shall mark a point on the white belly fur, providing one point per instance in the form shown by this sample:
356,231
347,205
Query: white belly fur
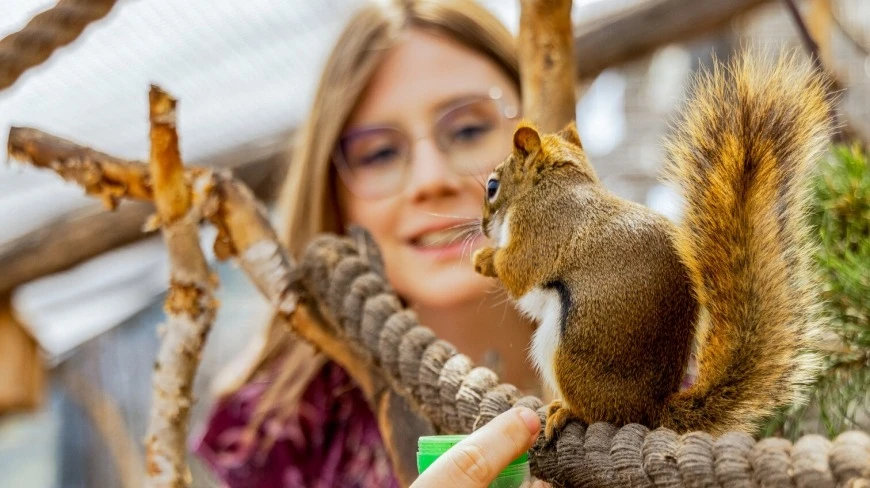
544,307
500,231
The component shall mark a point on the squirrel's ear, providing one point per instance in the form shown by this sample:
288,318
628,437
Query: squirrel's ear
526,140
570,134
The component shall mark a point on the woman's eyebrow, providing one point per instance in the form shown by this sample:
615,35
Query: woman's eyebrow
361,130
438,109
447,104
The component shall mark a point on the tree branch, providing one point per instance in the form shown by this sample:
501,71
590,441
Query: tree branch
190,304
642,28
104,176
842,132
810,44
86,233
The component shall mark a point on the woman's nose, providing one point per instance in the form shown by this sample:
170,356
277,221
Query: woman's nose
430,173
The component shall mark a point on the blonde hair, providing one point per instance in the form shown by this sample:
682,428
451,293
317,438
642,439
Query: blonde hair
308,202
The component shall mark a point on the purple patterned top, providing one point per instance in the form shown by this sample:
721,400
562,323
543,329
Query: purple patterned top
331,440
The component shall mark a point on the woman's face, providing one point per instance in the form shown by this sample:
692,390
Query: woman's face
428,106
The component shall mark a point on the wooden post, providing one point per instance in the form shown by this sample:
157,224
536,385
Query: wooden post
547,72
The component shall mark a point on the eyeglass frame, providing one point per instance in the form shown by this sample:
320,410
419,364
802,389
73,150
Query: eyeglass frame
495,94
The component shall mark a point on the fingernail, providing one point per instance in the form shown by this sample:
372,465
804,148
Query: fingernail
533,422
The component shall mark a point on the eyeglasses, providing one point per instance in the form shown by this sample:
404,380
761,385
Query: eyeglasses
473,134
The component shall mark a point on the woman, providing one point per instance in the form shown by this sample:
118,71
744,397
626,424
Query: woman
416,104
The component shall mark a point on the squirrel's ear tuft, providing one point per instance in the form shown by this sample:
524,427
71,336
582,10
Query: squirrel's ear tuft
526,139
570,134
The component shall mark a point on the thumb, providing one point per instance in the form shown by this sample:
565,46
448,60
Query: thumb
478,459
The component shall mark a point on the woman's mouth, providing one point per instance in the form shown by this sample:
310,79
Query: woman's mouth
447,243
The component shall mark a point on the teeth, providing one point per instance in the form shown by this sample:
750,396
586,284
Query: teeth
441,238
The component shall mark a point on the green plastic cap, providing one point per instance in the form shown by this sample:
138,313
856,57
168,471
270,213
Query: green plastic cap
430,448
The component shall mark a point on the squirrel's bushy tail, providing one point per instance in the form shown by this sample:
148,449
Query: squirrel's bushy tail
743,155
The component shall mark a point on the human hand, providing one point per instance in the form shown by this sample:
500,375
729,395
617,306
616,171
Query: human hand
477,460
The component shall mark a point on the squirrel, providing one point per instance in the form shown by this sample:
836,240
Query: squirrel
620,293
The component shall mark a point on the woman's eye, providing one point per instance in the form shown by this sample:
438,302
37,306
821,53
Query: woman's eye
491,188
470,133
381,156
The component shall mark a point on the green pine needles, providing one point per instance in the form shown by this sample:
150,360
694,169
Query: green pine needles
841,217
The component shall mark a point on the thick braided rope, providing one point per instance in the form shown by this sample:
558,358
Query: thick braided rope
46,32
458,398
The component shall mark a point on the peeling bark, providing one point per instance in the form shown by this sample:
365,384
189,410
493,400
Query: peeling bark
190,303
83,234
106,177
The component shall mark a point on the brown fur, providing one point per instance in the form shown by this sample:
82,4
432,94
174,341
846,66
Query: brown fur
637,283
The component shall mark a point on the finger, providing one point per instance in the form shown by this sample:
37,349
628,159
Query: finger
478,459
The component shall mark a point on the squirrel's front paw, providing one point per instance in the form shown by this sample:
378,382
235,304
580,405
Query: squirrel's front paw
557,416
484,262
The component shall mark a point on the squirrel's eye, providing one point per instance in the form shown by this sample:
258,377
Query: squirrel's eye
491,189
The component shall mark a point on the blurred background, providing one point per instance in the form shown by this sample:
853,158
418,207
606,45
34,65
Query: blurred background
77,356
